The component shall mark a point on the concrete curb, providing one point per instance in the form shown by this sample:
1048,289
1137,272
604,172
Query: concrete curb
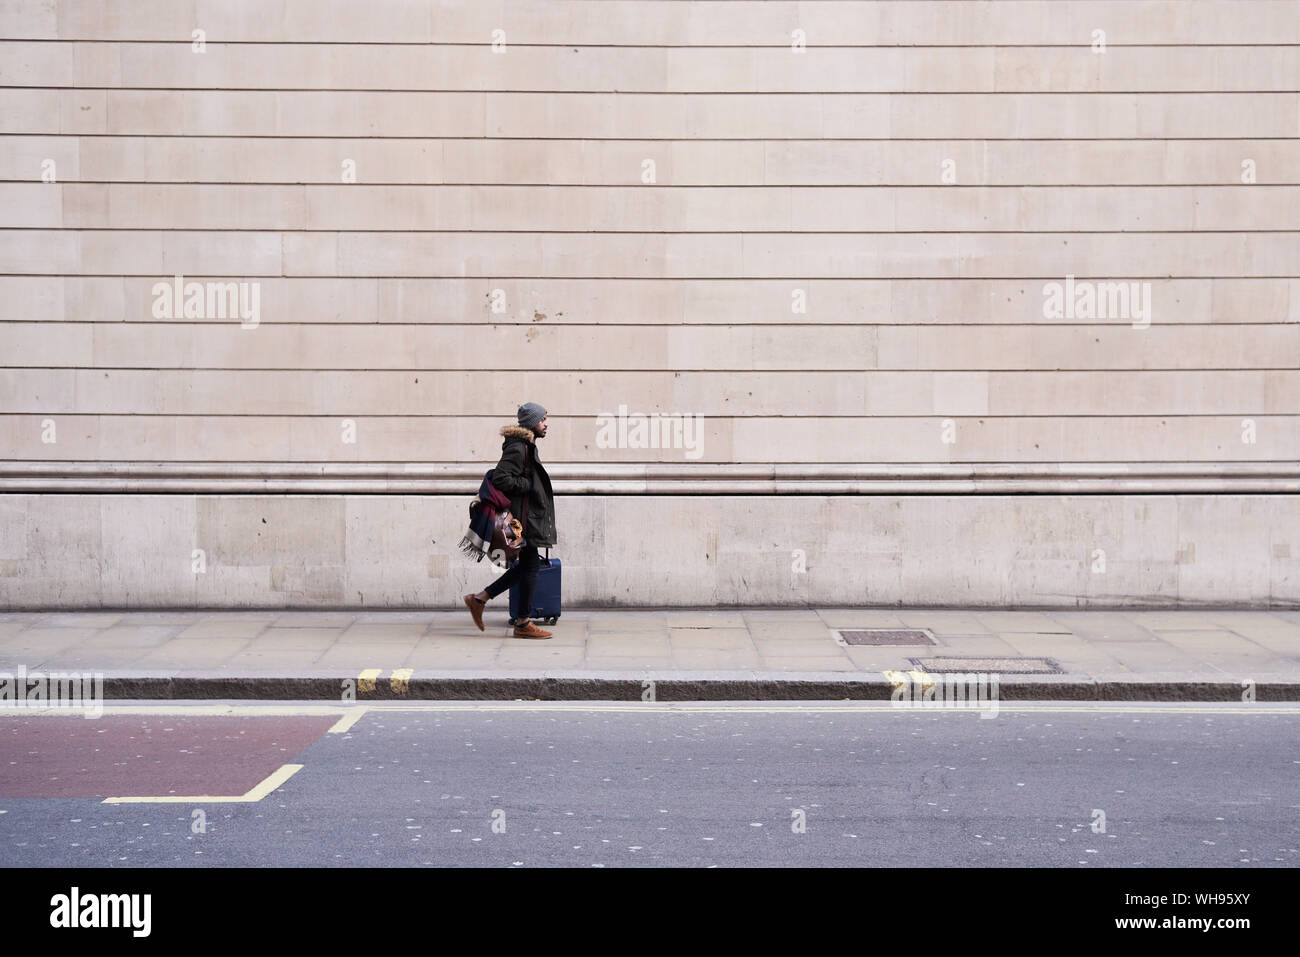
676,686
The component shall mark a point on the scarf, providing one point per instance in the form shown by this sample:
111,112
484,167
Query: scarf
483,511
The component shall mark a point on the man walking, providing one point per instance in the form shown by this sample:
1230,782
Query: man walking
521,476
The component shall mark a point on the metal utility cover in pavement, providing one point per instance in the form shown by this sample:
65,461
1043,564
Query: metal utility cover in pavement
884,636
1003,665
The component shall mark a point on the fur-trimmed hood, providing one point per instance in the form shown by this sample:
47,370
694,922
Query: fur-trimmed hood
517,431
523,478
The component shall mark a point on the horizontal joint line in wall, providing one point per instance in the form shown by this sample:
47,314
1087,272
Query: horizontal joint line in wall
640,232
638,279
533,324
406,371
606,92
496,277
671,139
667,493
386,184
720,416
408,470
646,46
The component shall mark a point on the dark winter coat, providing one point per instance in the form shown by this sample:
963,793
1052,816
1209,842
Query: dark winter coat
511,477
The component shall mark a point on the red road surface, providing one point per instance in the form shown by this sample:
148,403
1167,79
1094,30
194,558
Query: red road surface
146,755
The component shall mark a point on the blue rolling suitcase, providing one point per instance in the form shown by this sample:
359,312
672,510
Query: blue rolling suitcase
546,596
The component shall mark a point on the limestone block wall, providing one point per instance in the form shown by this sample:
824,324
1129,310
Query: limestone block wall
948,302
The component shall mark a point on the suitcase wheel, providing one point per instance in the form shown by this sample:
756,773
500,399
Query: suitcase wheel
552,620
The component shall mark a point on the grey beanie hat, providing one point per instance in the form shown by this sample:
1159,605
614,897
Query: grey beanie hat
530,413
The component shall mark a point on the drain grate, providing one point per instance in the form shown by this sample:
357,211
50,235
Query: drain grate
1003,665
884,636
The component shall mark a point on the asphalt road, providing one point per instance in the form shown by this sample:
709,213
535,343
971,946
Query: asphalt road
605,785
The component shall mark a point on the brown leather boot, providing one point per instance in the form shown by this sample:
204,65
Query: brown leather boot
530,631
475,610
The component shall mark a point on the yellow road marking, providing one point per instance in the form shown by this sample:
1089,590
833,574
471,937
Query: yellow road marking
268,785
400,681
346,722
366,680
916,676
271,783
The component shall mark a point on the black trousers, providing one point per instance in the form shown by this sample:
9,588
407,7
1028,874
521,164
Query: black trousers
525,574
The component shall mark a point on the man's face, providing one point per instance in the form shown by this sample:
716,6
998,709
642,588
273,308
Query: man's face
541,427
